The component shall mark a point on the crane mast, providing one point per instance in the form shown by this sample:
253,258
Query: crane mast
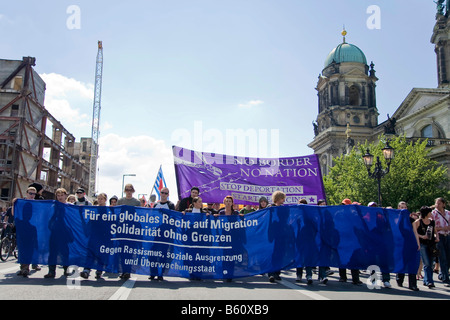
96,120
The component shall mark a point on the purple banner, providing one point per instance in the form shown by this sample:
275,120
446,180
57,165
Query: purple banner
247,179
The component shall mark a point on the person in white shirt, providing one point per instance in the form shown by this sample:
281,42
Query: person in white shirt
164,203
196,206
442,218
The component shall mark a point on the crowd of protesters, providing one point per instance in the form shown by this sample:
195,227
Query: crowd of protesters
430,225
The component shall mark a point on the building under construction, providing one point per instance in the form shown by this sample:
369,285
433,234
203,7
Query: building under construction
34,146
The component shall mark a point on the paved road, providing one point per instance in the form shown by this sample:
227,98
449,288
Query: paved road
255,289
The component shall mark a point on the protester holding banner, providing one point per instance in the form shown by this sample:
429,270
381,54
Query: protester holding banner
309,232
25,268
263,203
113,201
39,190
164,202
196,206
210,209
342,271
186,202
278,198
129,200
228,210
101,198
71,199
247,209
61,196
81,198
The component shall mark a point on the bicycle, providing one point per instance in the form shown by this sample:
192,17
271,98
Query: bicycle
8,244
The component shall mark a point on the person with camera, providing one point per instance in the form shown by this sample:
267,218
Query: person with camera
427,237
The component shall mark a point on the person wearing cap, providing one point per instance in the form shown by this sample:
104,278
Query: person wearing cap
372,204
39,190
354,272
263,203
113,201
81,198
346,202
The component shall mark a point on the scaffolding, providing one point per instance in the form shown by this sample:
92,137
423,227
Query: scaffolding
34,146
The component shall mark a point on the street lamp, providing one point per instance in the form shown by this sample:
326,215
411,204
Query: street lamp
379,172
123,179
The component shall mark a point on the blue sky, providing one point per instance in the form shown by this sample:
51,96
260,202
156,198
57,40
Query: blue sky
172,65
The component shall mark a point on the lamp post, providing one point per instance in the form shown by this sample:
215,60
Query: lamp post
379,172
123,179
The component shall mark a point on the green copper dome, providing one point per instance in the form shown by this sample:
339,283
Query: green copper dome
346,52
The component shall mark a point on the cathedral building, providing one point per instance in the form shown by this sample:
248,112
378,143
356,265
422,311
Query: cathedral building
347,105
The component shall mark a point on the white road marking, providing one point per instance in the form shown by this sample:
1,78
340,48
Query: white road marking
124,291
9,270
299,289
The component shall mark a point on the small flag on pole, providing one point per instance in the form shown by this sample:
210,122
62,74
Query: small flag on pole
160,183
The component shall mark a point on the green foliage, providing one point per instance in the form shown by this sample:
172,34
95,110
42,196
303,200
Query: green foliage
413,177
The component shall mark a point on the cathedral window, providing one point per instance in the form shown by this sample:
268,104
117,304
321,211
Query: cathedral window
354,96
427,132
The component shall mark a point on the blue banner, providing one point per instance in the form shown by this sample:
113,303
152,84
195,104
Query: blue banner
163,242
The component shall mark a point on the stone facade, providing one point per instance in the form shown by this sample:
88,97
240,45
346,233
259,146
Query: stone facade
348,113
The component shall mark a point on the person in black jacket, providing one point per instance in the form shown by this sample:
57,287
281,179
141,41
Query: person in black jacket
186,202
39,190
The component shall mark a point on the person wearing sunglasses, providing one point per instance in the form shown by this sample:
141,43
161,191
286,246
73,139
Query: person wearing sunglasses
31,193
81,198
39,191
129,200
165,203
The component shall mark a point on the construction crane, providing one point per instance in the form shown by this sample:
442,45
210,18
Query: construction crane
96,120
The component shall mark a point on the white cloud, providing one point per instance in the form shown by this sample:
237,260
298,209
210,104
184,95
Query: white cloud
65,99
60,85
140,155
4,18
250,104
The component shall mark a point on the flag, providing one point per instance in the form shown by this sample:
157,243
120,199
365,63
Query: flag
160,183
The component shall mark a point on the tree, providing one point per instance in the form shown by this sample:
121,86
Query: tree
413,176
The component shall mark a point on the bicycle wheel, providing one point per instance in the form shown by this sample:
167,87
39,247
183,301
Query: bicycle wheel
5,249
15,250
